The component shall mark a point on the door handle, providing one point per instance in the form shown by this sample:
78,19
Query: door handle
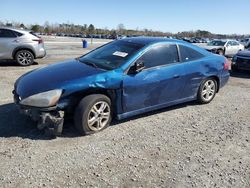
177,76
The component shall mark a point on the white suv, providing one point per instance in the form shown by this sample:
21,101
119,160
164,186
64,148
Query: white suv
20,45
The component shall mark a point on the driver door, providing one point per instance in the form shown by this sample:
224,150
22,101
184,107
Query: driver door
160,82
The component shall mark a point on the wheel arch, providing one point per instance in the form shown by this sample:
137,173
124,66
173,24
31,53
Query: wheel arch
75,98
22,48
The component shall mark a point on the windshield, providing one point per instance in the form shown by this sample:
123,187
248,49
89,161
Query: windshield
216,43
112,55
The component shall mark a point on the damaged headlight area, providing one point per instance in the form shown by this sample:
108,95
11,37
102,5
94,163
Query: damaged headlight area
45,99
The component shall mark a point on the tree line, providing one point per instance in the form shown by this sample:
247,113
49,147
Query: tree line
70,28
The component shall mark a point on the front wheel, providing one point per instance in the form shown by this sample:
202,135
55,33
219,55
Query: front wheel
207,91
93,114
221,52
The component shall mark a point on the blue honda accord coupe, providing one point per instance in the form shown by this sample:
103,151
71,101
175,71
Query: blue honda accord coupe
119,80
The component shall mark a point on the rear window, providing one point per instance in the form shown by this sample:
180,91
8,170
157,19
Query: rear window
5,33
17,33
32,33
189,54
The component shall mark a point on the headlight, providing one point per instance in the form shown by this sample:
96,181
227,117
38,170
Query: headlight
45,99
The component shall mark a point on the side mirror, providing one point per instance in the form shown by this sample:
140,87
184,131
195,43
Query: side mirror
137,67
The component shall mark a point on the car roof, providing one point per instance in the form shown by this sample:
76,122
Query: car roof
147,41
16,29
151,40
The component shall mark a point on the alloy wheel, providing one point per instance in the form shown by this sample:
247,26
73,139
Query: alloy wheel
208,90
99,116
24,58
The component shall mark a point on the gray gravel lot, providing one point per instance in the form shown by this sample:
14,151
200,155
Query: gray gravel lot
187,145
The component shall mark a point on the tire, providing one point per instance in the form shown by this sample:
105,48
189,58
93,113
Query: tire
24,58
207,91
220,52
93,114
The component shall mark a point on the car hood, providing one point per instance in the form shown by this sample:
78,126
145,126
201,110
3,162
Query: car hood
244,53
53,77
212,47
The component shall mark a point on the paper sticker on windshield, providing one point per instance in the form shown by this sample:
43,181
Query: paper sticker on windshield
120,54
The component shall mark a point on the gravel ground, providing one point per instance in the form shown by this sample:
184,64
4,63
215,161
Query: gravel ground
187,145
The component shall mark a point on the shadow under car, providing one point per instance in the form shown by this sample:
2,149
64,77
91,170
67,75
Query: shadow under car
14,124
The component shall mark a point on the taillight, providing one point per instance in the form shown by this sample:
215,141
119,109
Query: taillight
38,40
226,65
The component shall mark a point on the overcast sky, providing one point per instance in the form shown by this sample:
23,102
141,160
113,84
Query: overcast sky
217,16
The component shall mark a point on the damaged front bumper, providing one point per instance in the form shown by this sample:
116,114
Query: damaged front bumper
49,119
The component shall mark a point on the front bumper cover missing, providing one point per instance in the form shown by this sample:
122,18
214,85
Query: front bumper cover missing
51,121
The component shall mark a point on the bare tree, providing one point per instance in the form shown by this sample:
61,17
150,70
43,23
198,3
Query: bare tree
120,28
71,28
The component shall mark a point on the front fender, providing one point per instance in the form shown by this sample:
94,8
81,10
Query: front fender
108,83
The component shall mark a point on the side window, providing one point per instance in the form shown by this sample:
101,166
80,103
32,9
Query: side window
160,55
189,54
229,43
17,33
5,33
235,43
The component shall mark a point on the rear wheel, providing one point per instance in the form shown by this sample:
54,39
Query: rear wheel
93,114
24,58
207,91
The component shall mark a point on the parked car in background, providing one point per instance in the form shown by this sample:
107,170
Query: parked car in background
195,40
241,61
20,45
187,39
118,80
224,47
121,36
205,40
246,42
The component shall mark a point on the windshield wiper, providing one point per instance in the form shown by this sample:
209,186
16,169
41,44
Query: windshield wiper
87,63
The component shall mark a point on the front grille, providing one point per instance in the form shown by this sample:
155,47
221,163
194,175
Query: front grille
242,62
